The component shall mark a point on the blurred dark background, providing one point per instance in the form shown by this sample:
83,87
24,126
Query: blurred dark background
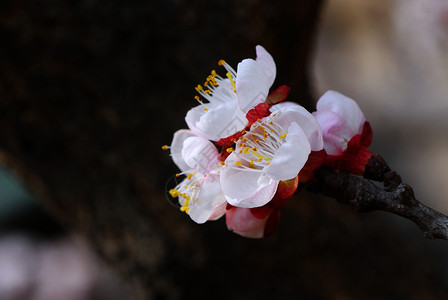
90,90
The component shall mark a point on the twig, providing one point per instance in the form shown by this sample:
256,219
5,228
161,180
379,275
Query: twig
390,195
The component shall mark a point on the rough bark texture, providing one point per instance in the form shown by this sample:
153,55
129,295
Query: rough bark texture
90,90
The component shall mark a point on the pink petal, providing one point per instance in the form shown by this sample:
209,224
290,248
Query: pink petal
336,132
200,154
244,223
344,106
252,84
291,156
265,60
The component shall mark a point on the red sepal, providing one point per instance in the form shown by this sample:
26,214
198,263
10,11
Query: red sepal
366,135
353,159
272,223
262,211
315,160
258,112
279,95
230,140
229,206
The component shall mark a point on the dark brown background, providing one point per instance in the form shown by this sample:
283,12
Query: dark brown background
90,90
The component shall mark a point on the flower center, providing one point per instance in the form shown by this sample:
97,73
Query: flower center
257,148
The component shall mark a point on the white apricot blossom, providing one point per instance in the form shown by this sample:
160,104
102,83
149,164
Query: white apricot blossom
230,98
340,119
276,148
199,194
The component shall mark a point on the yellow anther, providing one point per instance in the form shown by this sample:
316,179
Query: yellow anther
265,135
270,123
251,162
267,164
229,75
258,120
205,108
233,139
177,174
254,148
198,88
165,147
197,97
214,73
229,150
260,159
272,130
222,163
221,62
246,149
238,163
207,92
174,193
283,135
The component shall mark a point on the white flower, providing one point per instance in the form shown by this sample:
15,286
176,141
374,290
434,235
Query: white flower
340,119
229,99
276,148
199,194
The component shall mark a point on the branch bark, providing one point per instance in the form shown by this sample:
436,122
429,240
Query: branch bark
383,190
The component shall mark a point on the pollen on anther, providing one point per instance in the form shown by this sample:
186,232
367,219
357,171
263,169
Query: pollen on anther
221,62
229,150
177,174
198,88
222,163
283,135
205,108
165,147
174,193
238,163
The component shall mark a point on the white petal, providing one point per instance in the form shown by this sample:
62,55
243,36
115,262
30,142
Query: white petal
252,84
346,107
176,148
218,121
267,63
200,154
210,197
246,188
291,156
335,130
288,114
282,106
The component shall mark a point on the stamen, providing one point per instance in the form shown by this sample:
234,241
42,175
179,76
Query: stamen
283,135
229,75
165,147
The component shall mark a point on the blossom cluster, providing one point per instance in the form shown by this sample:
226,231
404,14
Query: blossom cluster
246,150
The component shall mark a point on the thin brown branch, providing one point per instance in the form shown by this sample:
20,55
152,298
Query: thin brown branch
391,195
